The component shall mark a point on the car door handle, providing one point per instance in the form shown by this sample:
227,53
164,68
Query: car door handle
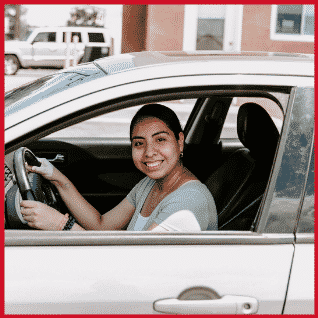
58,158
226,305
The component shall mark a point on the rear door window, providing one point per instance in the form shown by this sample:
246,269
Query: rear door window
96,37
230,124
78,34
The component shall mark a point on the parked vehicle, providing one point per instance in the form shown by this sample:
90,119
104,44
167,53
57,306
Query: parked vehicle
261,259
48,47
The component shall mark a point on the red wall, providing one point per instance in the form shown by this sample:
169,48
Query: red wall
165,28
256,33
134,28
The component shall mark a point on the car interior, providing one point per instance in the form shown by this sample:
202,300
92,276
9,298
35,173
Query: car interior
231,136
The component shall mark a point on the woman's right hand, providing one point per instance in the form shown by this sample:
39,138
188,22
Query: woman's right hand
46,169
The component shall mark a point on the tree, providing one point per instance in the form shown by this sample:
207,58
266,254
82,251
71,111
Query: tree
17,28
86,16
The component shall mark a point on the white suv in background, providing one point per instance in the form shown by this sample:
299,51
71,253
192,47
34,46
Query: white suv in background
48,47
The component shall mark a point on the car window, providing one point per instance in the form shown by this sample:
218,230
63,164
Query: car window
117,123
230,124
307,219
78,34
45,37
96,37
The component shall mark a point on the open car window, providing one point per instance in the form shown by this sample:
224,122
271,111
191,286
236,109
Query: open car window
277,115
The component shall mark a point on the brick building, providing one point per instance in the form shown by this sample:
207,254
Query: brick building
270,28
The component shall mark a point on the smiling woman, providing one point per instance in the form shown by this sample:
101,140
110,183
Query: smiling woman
169,198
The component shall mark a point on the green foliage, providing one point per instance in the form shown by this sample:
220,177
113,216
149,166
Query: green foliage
85,16
18,29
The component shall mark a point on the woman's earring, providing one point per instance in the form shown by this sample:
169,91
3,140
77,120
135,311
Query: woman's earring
181,154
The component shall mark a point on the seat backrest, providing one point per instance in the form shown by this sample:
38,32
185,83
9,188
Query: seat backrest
225,183
243,177
197,158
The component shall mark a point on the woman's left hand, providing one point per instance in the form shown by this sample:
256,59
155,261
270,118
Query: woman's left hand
42,216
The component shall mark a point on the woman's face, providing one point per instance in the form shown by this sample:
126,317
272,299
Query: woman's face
155,150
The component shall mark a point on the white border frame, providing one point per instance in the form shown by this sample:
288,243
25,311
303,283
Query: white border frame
286,37
190,26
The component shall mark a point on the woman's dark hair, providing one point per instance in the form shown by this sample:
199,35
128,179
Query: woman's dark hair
167,115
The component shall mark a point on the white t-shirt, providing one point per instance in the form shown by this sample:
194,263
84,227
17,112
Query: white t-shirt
179,221
184,221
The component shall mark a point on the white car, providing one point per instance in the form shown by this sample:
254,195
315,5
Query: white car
259,169
47,46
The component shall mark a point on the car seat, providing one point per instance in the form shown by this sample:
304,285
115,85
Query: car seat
239,183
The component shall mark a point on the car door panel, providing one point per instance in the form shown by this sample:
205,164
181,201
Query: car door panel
123,279
301,288
103,173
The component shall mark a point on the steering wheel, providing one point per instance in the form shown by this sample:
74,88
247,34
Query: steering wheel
31,187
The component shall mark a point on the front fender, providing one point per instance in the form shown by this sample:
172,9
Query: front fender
13,50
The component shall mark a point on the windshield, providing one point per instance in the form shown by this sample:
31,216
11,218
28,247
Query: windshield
26,35
40,89
49,86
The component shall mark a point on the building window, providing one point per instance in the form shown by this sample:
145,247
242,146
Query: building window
293,23
210,28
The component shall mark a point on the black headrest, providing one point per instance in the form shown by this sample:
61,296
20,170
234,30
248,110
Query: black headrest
256,130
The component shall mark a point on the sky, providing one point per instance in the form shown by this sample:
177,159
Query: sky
48,15
57,15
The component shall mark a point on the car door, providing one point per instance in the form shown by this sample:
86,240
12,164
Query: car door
45,49
145,273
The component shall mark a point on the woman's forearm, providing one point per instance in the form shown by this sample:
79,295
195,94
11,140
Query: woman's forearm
77,227
83,211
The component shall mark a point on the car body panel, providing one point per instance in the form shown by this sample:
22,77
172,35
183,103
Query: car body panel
16,48
59,109
181,70
301,288
235,63
129,279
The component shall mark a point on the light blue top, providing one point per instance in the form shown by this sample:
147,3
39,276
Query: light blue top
192,196
140,223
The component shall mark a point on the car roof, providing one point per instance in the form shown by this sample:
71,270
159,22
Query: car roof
222,62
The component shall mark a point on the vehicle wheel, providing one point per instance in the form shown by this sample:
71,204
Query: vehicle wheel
11,65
